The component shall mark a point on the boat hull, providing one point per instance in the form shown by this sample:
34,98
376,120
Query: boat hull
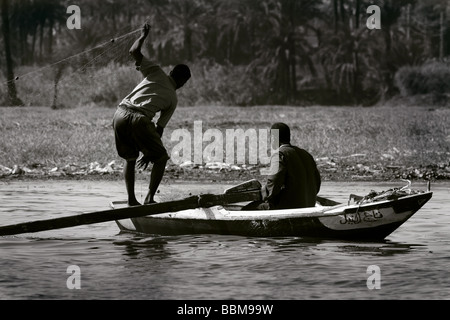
371,221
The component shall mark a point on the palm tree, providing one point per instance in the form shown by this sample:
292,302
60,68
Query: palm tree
343,52
179,28
391,11
38,19
12,98
284,41
234,30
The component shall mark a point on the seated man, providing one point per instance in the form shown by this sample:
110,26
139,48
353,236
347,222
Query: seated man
294,179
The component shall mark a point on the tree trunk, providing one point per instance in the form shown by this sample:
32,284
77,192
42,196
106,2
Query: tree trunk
59,70
12,98
343,15
336,15
33,43
188,42
441,36
357,89
41,40
50,36
357,13
387,68
293,68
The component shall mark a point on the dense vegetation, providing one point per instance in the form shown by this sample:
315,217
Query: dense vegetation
242,52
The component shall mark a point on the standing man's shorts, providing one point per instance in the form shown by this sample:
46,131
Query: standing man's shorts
135,132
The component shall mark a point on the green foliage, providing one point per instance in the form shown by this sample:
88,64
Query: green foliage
430,78
279,51
211,84
221,84
110,85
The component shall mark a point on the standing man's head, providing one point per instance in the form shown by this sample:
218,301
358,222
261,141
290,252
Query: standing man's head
280,134
180,74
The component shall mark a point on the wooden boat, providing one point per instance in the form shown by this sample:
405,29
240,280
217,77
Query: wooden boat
372,217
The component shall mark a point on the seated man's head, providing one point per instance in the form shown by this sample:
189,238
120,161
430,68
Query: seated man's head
280,134
180,74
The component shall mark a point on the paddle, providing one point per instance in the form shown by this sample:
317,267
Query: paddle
245,192
200,201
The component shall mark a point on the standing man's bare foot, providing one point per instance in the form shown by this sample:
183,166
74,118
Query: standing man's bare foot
133,203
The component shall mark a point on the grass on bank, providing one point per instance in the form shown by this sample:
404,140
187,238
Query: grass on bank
397,136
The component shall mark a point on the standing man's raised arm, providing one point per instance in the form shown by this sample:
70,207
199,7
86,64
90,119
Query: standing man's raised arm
135,50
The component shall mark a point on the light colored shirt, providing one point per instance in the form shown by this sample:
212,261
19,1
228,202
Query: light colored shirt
156,93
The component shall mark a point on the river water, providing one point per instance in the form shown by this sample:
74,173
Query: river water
413,262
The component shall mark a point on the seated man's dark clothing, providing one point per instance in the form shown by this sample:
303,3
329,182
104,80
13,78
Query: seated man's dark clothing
294,181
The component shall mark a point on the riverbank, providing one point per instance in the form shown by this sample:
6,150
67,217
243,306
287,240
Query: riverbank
331,170
349,143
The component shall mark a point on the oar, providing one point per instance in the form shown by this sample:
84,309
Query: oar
200,201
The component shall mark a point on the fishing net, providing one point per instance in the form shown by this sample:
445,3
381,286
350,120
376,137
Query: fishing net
101,74
391,194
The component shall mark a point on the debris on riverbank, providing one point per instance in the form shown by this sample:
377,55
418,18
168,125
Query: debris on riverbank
351,168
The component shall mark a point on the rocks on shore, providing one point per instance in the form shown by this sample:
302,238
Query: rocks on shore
353,168
71,169
344,168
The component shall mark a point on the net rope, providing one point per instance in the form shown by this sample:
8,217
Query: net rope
38,86
112,41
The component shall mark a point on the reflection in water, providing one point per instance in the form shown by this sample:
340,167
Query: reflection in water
374,249
413,261
382,248
140,246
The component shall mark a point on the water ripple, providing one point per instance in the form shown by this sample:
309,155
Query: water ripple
413,261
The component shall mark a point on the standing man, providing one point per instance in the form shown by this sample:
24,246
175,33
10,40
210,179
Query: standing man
133,126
